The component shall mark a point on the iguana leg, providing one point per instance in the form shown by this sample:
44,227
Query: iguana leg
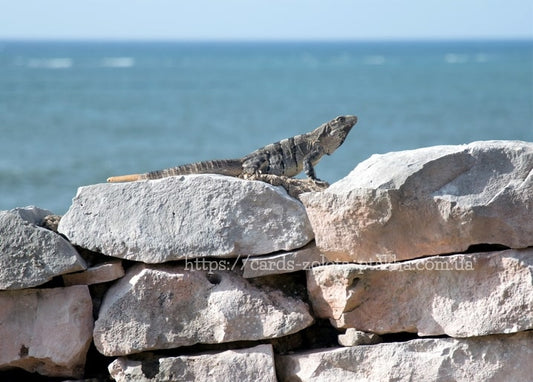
308,164
293,186
254,166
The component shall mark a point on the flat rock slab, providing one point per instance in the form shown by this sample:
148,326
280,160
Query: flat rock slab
161,307
459,295
491,358
247,365
47,331
185,217
101,273
31,255
428,201
285,262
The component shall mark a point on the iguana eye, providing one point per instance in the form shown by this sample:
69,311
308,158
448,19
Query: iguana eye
341,119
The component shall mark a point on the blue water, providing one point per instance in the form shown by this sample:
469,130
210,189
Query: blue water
74,113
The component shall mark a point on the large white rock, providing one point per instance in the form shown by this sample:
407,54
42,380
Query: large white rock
434,200
184,217
244,365
31,255
457,295
491,358
161,307
47,331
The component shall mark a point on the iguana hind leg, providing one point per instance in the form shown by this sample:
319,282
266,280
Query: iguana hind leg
293,186
254,166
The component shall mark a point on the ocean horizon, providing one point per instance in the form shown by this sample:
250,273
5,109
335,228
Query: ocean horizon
73,113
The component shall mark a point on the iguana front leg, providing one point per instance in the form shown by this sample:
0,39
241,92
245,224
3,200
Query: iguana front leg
308,161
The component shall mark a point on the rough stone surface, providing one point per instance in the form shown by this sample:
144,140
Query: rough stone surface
101,273
492,358
47,331
246,365
354,337
161,307
428,201
31,255
185,217
458,295
286,262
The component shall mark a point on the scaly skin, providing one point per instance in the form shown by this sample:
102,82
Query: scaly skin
287,157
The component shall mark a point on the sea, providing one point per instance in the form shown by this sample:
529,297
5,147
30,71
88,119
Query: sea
74,113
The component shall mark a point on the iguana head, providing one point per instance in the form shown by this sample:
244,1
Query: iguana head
333,133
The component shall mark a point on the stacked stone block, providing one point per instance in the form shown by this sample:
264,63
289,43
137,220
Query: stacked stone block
420,262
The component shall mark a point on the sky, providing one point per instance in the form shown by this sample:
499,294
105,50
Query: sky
266,19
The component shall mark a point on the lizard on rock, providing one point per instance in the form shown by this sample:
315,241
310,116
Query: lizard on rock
286,158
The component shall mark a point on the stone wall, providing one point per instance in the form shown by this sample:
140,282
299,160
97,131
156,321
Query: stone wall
416,266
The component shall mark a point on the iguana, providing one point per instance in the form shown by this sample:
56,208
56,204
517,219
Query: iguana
285,158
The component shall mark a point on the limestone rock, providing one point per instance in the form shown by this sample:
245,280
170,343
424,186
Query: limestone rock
491,358
161,307
100,273
31,255
285,262
47,331
458,295
434,200
185,217
354,337
252,364
31,214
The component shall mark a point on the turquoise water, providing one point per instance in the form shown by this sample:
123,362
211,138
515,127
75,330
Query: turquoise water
74,113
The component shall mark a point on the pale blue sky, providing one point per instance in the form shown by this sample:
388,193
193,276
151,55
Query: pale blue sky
272,19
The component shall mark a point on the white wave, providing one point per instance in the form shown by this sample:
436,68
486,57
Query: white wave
455,58
482,57
341,59
50,63
374,60
118,62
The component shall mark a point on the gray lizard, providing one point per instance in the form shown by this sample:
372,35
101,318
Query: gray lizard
285,158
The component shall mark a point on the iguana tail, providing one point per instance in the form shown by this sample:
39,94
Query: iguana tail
231,167
125,178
